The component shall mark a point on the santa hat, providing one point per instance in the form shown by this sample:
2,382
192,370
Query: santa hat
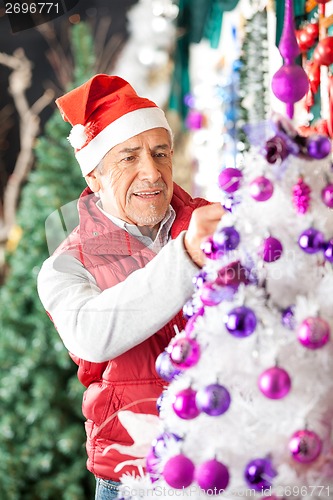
106,111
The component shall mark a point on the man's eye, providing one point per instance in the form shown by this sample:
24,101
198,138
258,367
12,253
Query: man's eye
128,158
160,155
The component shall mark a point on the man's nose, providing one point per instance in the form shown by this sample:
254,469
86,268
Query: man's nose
148,170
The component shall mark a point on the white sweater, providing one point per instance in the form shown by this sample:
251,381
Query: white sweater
99,325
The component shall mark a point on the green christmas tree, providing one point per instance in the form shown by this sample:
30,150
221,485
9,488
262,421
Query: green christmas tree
42,439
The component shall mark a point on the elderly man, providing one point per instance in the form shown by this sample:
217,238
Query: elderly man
116,286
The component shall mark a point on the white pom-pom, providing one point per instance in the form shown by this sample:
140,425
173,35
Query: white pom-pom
77,136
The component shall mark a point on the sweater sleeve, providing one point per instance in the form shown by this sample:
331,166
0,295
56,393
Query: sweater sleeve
99,325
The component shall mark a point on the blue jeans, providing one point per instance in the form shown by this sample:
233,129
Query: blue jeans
106,489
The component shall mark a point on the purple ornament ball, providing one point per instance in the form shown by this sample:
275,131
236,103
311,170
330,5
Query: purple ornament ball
194,120
290,83
184,404
214,400
318,146
229,179
212,294
259,474
178,472
305,446
184,352
328,251
327,195
261,188
311,240
313,332
274,383
164,367
272,249
212,476
226,239
240,321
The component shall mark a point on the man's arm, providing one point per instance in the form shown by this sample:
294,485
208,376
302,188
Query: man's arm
99,325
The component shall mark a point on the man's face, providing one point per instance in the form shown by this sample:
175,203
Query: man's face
136,179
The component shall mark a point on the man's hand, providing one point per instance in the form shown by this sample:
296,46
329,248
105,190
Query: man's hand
203,223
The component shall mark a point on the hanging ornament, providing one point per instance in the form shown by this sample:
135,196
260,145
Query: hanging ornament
261,188
313,30
212,476
289,83
165,369
304,39
313,332
229,179
328,251
226,239
184,352
288,318
311,240
276,149
272,249
305,446
210,249
214,400
160,443
301,196
318,146
274,383
327,195
195,120
323,53
178,472
259,474
232,275
212,294
240,321
184,404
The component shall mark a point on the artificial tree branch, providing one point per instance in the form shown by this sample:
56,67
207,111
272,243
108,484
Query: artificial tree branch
19,80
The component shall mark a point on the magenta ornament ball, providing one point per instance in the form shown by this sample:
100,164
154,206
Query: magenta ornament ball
184,352
184,404
178,472
327,195
272,249
210,249
211,294
305,446
230,179
214,400
274,383
290,83
313,333
261,188
318,146
212,476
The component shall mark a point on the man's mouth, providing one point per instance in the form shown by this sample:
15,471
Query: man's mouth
147,194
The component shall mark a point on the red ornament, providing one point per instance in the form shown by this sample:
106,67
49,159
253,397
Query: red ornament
323,53
313,30
313,72
304,40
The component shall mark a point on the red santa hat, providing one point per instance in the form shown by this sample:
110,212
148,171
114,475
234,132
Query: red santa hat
106,111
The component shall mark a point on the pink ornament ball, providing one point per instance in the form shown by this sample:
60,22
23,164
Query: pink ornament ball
184,404
274,383
178,472
229,179
305,446
290,83
313,332
327,195
272,249
184,352
212,476
261,188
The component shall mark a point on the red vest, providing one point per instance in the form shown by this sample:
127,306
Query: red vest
130,380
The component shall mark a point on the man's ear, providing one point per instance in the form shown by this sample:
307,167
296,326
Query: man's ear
92,179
